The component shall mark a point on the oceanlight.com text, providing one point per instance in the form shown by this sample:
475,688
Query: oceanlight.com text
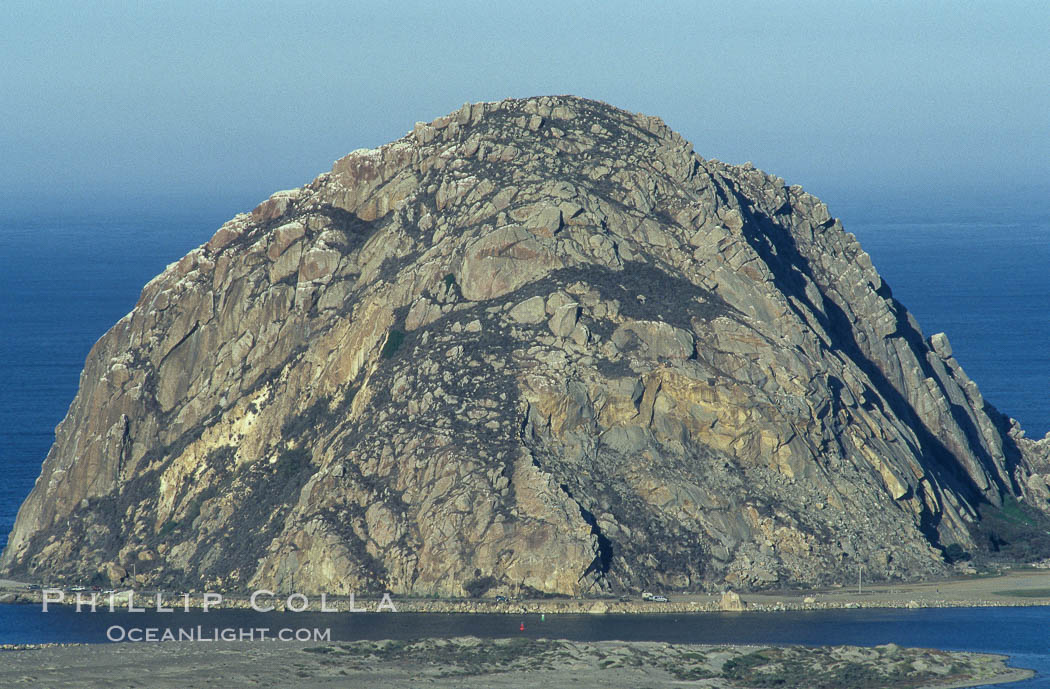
117,634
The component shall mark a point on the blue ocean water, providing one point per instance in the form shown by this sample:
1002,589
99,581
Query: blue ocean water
985,281
63,283
1017,632
981,277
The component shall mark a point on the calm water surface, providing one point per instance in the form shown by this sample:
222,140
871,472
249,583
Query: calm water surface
63,283
987,285
1023,633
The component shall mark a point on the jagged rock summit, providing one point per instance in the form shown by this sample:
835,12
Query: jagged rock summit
533,346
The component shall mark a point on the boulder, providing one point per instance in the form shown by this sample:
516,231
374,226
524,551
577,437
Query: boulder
731,602
657,339
530,311
564,319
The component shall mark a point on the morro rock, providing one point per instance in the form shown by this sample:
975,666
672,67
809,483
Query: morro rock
533,346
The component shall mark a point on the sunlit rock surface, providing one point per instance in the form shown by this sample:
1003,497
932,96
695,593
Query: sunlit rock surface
534,346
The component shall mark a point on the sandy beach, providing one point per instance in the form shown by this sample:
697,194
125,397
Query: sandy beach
476,663
470,662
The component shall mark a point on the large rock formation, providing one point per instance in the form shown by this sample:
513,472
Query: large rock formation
533,346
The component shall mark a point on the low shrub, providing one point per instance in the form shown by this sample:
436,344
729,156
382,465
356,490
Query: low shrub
393,343
479,586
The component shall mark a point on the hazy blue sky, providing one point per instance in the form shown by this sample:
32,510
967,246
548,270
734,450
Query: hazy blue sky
115,106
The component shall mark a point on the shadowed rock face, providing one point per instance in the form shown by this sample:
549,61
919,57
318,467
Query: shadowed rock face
533,346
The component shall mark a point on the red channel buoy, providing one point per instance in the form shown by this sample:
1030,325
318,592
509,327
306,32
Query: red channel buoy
522,627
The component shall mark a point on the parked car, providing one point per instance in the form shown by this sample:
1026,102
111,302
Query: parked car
501,599
625,599
659,599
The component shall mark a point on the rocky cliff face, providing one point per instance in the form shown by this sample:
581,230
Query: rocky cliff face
533,346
